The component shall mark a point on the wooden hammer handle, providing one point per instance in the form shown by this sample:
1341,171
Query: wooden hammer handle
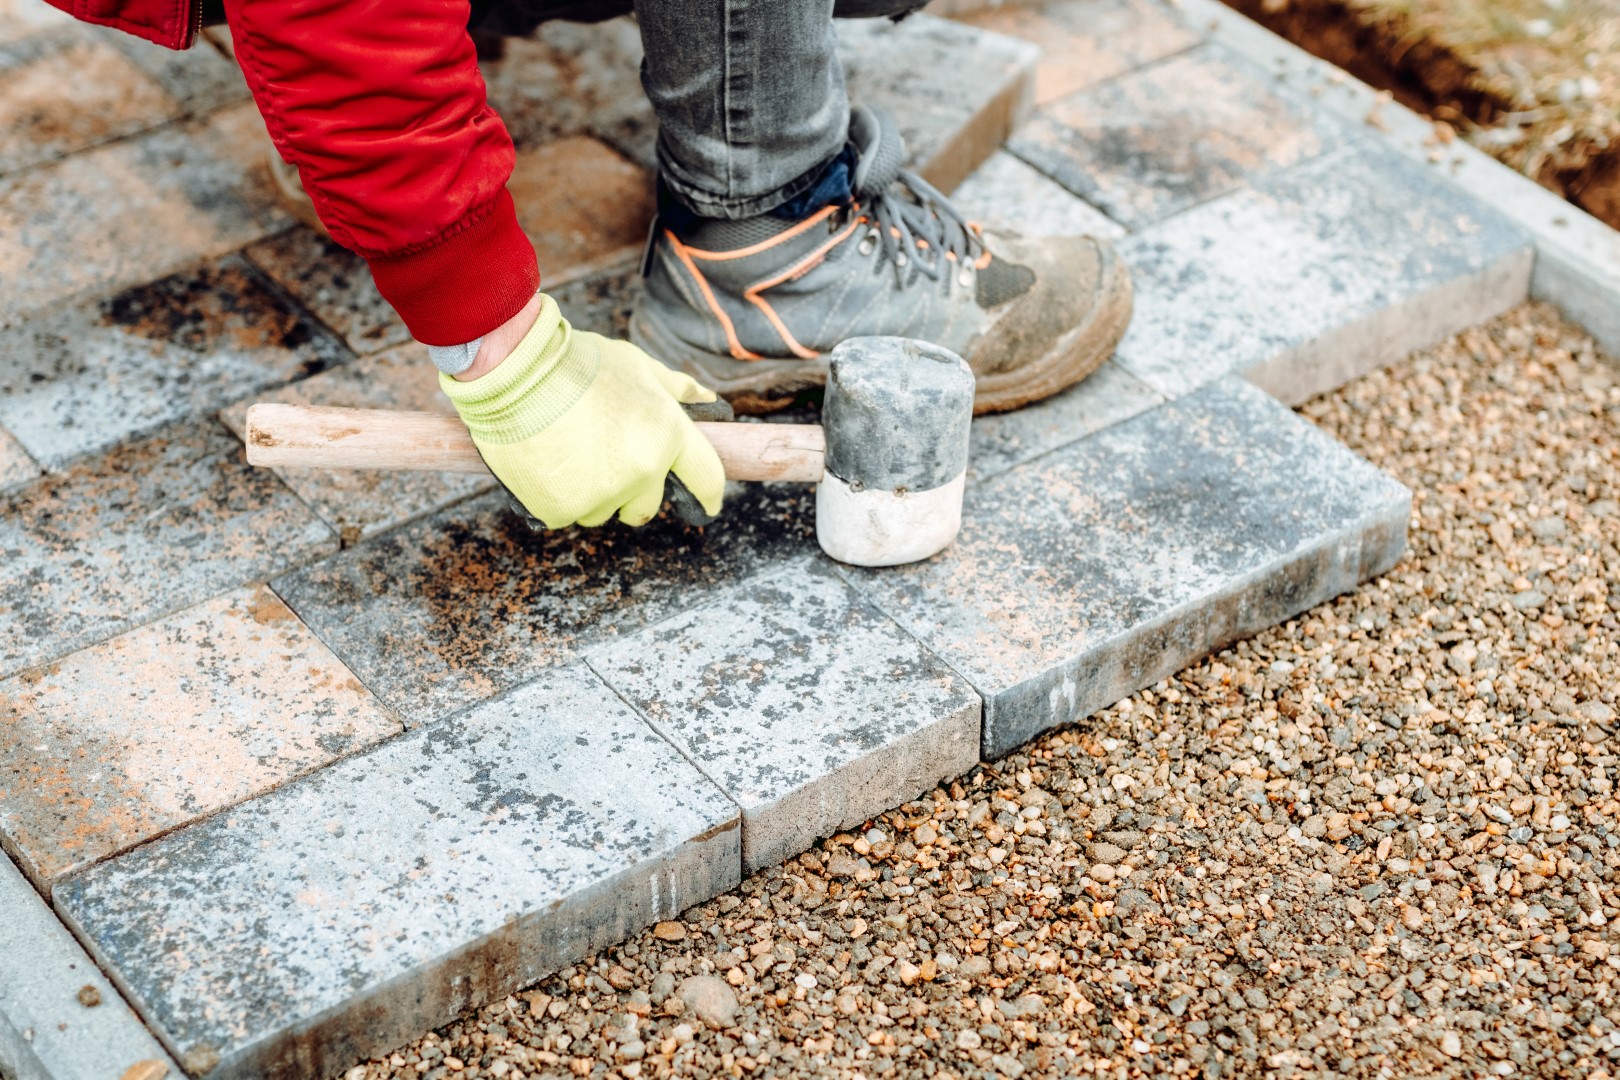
307,436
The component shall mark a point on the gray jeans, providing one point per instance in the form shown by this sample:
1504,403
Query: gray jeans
749,94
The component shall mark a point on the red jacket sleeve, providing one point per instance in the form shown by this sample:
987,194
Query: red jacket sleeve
380,105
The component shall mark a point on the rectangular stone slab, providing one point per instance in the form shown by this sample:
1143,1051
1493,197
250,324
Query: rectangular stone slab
345,913
91,375
46,1030
1317,275
16,467
805,704
127,536
1174,134
334,284
1105,566
463,605
167,724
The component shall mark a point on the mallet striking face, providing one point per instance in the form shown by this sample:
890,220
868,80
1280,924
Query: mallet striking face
890,459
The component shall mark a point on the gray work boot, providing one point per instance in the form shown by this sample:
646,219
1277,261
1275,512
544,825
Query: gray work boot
752,308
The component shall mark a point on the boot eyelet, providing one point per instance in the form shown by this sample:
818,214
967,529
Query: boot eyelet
900,258
868,243
965,278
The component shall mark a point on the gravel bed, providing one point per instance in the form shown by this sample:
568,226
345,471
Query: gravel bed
1377,841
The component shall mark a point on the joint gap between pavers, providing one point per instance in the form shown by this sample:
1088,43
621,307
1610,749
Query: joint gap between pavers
274,286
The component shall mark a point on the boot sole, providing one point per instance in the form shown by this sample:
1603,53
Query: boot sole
763,386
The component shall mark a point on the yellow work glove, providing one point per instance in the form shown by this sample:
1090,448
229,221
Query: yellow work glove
579,427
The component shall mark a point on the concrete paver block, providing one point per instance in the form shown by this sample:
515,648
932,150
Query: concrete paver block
463,605
22,18
585,206
167,724
133,211
16,467
802,702
85,377
127,536
1087,41
1004,193
1105,397
1174,134
1112,563
1317,275
360,502
571,78
955,91
601,303
346,912
334,283
46,1030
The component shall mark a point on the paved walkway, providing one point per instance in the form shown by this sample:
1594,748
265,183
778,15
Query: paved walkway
309,762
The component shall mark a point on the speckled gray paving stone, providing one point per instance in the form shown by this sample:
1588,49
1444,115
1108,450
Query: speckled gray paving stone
806,705
1105,566
1317,275
1004,193
1174,134
46,1032
465,604
126,536
332,282
346,912
86,377
1106,396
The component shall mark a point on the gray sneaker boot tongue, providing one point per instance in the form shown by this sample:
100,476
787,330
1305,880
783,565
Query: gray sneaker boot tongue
880,152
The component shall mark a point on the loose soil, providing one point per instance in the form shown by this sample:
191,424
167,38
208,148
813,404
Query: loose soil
1381,840
1536,83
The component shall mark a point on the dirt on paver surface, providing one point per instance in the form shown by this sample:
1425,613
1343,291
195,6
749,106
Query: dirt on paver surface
1536,83
1378,841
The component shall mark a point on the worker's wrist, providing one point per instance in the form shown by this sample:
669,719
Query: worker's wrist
482,355
540,379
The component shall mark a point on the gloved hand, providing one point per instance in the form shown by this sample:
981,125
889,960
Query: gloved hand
579,427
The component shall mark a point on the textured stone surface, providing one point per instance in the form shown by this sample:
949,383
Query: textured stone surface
468,603
1317,275
1083,43
128,535
342,914
85,377
1172,135
572,78
167,724
49,108
20,18
955,91
1107,396
1107,565
601,303
134,211
16,467
585,206
1004,193
359,502
335,284
805,704
46,1032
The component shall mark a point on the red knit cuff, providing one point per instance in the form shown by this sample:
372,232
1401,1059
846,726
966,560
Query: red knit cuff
465,286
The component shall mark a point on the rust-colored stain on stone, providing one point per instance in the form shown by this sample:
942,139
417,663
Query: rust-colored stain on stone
144,529
57,97
167,724
1082,44
334,283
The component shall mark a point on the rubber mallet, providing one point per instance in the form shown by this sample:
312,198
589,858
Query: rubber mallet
889,458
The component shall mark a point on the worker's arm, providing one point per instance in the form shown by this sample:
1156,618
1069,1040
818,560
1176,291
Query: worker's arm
380,105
